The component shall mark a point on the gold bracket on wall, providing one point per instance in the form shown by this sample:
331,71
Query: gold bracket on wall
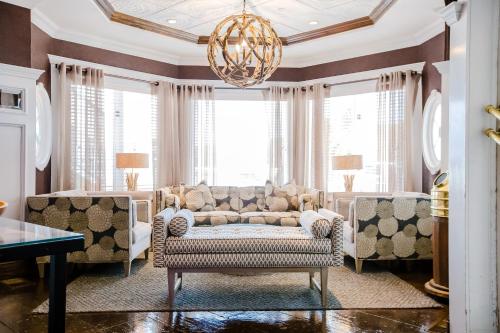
493,111
492,134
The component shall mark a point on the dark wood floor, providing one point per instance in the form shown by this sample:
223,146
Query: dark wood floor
19,296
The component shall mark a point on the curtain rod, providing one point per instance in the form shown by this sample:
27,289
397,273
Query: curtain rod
156,83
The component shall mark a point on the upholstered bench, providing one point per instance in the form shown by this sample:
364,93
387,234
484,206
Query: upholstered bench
184,248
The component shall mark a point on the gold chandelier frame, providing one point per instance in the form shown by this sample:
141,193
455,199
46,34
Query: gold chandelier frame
249,46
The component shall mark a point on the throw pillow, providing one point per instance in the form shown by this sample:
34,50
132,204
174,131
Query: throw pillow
181,222
199,198
283,198
315,224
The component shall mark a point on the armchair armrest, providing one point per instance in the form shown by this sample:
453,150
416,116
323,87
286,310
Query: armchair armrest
164,198
160,234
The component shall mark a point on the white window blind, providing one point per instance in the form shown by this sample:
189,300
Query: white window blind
129,128
352,130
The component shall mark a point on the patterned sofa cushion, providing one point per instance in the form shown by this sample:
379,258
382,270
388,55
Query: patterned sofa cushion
290,219
315,224
247,239
226,198
252,199
283,198
216,218
199,198
181,222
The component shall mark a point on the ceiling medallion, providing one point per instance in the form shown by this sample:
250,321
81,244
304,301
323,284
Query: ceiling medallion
244,50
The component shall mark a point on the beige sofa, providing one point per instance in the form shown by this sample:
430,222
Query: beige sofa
117,228
385,226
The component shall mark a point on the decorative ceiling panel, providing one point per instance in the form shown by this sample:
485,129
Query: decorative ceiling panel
290,18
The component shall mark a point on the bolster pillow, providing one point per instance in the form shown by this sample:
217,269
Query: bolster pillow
181,222
315,224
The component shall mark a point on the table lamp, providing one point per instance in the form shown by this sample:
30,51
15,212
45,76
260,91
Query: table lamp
348,162
132,161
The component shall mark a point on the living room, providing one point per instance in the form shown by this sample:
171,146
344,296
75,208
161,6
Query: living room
248,165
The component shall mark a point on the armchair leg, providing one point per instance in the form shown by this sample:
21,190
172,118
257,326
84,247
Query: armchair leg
146,254
126,268
41,270
359,265
324,286
311,280
171,286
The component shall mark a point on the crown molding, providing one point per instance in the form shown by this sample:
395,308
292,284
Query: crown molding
56,32
19,71
451,13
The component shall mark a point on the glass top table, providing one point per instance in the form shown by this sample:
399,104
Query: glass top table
21,240
15,233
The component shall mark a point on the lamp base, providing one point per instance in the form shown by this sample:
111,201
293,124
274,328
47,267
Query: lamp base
348,182
132,181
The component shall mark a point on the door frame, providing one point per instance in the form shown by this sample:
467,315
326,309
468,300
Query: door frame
472,159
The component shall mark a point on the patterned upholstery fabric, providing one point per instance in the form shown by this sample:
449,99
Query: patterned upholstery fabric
393,228
165,198
240,260
216,218
160,234
104,221
283,198
181,222
290,219
226,198
241,199
199,198
315,224
249,238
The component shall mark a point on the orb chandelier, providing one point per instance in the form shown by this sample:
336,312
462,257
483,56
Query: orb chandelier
244,50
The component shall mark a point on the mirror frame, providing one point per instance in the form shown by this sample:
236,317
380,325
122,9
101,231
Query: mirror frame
432,161
44,119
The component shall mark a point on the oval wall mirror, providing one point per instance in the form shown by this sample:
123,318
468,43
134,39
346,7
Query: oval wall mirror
431,134
43,127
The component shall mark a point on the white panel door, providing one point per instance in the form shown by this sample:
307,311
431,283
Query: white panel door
17,137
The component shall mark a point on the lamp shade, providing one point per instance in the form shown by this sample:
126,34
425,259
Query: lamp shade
132,160
347,162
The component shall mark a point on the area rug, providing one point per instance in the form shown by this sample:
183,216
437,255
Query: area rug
104,289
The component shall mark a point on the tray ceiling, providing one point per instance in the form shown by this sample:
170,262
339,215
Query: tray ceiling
294,20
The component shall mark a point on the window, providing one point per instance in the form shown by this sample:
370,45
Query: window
242,141
353,131
128,123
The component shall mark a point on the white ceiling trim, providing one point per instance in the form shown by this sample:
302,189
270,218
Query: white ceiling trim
52,29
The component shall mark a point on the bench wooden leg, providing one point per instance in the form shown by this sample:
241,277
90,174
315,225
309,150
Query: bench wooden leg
324,286
359,265
179,283
171,287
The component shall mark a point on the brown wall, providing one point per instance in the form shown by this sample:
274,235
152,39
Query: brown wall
433,50
15,35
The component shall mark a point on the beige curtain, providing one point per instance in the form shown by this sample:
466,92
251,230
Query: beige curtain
184,138
309,139
397,93
166,127
278,104
78,159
